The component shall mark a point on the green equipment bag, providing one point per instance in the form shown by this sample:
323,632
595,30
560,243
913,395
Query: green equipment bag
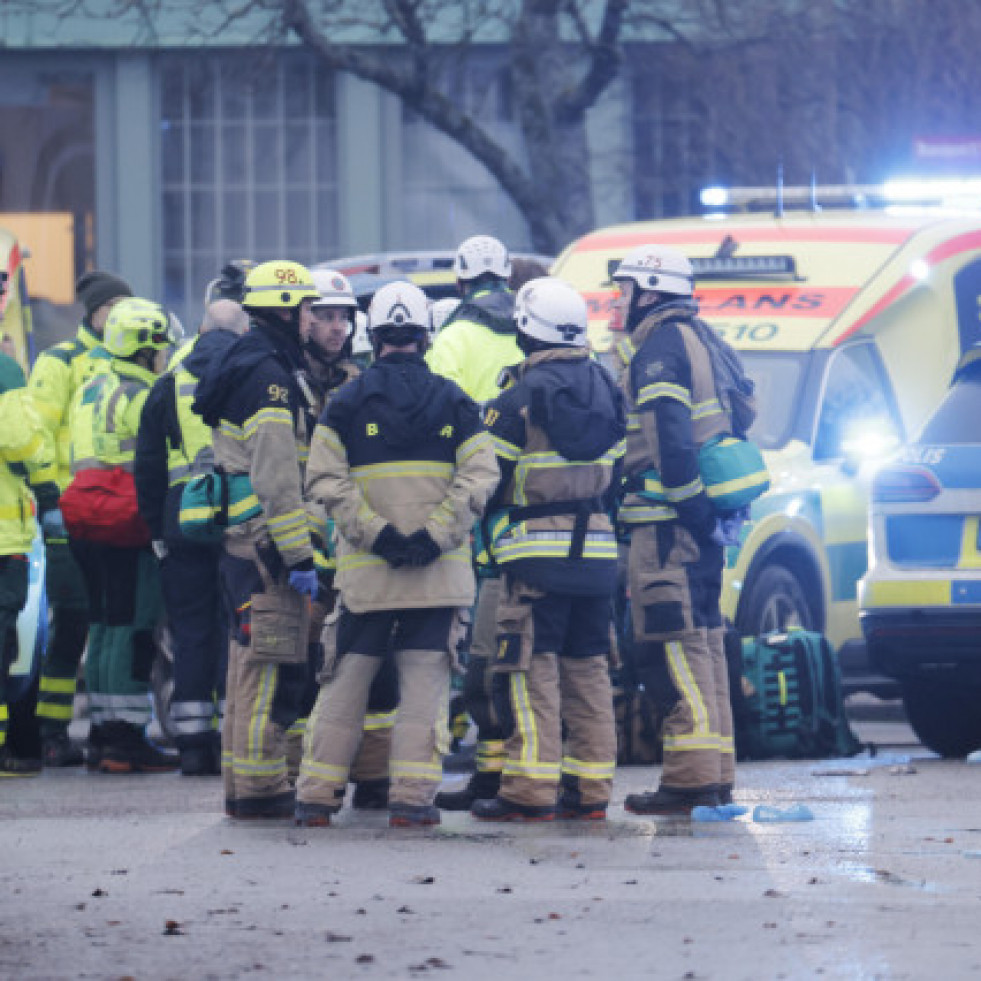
212,502
786,697
733,472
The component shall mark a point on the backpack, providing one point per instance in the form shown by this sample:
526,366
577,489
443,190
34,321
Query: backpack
734,386
786,697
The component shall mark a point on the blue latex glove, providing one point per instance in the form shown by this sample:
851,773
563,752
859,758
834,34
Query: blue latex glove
728,529
53,524
305,582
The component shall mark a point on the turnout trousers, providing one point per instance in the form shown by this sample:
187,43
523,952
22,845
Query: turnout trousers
675,584
262,696
371,762
551,671
418,642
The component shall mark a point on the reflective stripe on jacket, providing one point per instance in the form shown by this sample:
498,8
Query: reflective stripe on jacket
58,375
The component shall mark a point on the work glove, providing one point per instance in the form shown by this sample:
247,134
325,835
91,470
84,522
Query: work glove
391,546
304,581
420,549
53,524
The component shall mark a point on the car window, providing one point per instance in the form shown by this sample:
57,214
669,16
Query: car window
958,417
854,407
778,380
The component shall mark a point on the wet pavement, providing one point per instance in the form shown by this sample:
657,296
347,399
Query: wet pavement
142,877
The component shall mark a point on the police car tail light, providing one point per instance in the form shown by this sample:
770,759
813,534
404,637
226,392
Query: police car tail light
905,485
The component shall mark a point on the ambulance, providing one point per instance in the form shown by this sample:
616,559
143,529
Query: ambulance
850,322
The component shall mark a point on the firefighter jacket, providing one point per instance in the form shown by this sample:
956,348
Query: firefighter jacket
105,417
255,399
672,410
558,432
26,457
173,440
402,446
58,376
326,377
477,343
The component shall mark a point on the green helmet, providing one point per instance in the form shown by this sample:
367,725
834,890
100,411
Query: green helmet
279,284
135,324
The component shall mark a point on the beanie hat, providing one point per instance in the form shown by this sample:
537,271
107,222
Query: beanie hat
95,288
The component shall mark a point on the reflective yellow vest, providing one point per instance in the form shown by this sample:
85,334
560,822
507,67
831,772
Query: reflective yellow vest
185,459
105,417
58,376
26,453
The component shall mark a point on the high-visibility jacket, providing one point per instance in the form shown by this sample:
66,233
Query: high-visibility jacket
558,432
673,409
26,457
195,436
105,417
58,376
477,343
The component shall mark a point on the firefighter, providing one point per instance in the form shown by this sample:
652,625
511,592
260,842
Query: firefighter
473,346
258,403
58,375
558,430
675,560
27,460
402,464
329,358
173,442
110,541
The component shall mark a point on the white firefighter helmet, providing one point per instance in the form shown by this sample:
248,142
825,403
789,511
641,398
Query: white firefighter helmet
440,312
334,289
658,268
551,311
399,314
481,254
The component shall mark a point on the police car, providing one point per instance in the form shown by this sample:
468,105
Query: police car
850,322
921,598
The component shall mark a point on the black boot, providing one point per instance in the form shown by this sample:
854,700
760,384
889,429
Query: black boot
93,746
501,809
370,795
128,751
58,750
483,785
672,801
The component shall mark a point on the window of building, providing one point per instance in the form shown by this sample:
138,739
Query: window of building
447,195
248,166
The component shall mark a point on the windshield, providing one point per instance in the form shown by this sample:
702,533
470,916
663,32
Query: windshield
778,379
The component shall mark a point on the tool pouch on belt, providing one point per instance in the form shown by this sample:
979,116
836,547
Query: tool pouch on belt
280,626
660,593
515,626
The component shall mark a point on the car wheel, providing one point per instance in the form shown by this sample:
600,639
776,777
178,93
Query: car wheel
773,602
944,714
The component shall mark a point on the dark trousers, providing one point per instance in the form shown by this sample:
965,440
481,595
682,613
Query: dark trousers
199,633
69,627
18,728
